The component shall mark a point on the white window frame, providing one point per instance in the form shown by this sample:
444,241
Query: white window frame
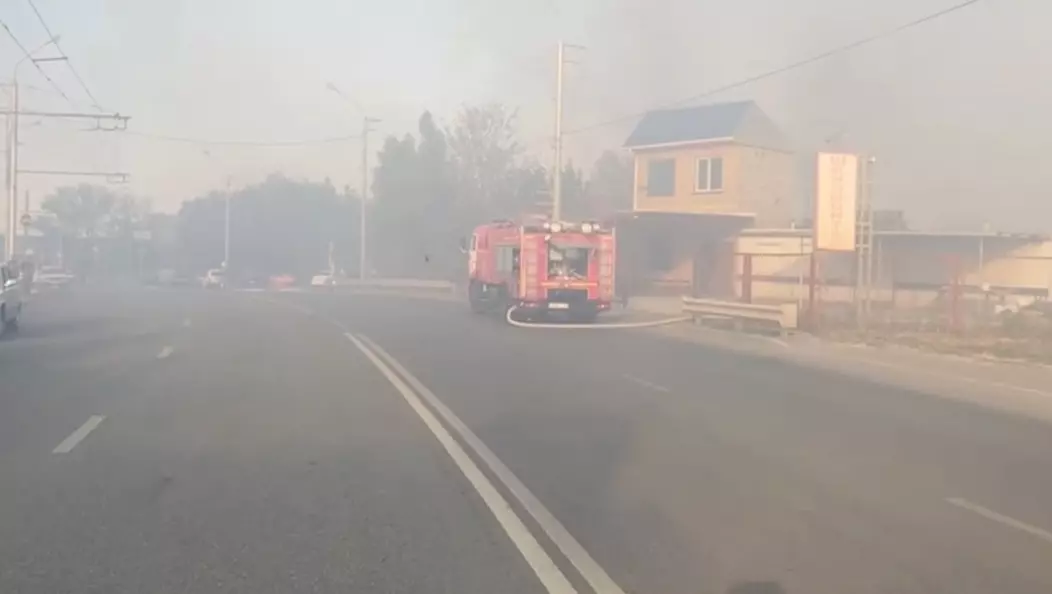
707,162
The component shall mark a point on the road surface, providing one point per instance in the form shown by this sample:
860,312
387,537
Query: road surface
214,442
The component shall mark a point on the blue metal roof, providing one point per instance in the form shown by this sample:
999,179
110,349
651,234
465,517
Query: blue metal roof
706,122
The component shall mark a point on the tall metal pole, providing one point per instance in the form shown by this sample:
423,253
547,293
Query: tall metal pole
12,185
226,228
12,197
557,170
8,180
361,201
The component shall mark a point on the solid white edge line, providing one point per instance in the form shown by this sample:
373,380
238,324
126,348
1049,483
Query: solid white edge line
951,377
589,569
1000,518
78,436
543,566
165,352
644,383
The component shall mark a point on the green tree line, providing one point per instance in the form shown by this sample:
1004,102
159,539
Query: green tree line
429,189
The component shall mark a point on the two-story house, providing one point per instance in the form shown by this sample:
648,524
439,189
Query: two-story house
702,174
723,159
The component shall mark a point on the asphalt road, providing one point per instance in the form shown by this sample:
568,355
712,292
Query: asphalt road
206,442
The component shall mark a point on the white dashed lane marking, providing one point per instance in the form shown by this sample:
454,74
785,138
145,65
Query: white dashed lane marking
78,436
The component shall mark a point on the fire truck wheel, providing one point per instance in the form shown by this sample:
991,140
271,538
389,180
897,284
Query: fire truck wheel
478,304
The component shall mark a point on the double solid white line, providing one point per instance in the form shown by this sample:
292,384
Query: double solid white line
553,579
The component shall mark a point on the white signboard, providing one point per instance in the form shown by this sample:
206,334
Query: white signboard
759,245
836,199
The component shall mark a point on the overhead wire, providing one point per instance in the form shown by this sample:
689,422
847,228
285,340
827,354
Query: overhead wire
29,56
53,37
257,143
785,68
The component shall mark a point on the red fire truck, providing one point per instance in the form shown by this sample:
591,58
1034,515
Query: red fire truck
542,267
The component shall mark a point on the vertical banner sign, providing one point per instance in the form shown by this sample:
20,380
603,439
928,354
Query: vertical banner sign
836,199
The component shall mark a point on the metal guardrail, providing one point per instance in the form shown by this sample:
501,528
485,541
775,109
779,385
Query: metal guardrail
439,286
785,315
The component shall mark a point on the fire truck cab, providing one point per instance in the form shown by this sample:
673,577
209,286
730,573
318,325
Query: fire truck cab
542,267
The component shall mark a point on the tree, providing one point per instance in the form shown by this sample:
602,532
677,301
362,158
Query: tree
394,230
484,152
432,189
95,228
529,191
574,205
277,226
609,187
81,210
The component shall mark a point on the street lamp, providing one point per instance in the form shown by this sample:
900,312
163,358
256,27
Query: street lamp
226,218
226,230
366,120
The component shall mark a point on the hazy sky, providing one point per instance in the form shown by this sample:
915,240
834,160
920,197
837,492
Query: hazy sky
956,110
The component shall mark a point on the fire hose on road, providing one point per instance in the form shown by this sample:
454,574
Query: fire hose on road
613,326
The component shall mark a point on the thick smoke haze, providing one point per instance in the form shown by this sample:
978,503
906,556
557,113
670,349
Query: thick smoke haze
955,110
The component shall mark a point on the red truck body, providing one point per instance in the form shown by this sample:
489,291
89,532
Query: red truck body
542,267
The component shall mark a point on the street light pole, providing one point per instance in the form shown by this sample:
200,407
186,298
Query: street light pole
226,228
361,199
366,120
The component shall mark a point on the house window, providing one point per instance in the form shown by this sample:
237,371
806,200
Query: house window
709,175
661,177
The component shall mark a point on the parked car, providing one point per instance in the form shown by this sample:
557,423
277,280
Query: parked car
324,278
53,277
281,282
10,299
214,279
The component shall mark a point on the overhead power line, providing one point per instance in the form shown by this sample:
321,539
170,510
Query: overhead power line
69,63
786,68
210,142
29,56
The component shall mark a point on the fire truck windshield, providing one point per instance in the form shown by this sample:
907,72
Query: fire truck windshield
567,260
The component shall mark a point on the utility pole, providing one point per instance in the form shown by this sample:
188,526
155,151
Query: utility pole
557,169
366,120
12,181
9,172
864,244
13,171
